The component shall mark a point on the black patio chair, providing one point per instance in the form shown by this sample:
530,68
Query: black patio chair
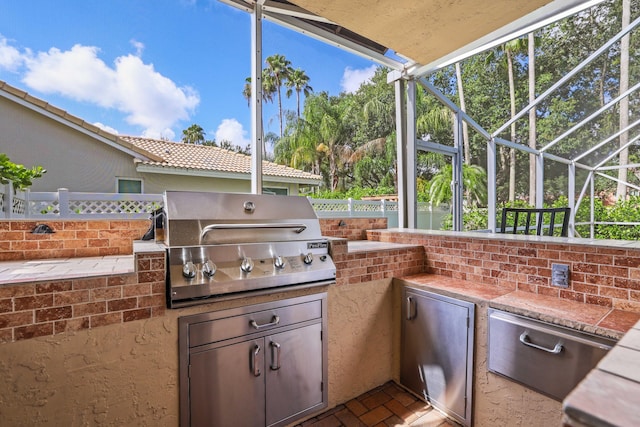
535,220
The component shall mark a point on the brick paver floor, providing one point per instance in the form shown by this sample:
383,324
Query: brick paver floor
384,406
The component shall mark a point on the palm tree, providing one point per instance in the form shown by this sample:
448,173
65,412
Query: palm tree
325,117
279,70
297,147
320,136
298,81
510,49
268,89
474,183
194,134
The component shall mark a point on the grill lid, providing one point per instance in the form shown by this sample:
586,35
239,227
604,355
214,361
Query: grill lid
207,218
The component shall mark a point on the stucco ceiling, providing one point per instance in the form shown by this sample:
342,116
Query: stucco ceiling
428,31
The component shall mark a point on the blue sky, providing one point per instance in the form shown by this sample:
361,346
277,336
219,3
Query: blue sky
154,67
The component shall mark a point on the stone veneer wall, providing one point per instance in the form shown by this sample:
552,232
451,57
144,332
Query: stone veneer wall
72,239
358,267
351,228
600,275
29,310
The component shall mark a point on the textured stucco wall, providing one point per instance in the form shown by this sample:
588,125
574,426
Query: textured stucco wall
124,374
501,402
363,338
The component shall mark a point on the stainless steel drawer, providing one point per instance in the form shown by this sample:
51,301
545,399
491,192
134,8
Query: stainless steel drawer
244,324
547,358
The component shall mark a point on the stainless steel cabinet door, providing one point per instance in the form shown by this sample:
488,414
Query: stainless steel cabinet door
226,385
294,372
437,351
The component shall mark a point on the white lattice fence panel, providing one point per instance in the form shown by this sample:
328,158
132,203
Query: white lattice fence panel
44,207
330,206
367,207
19,205
88,207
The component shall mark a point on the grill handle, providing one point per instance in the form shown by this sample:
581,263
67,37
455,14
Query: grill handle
297,228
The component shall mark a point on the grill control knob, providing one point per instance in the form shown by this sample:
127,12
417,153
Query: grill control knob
308,258
278,262
246,265
189,270
209,268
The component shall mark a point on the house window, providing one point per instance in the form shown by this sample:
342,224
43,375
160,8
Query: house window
278,191
129,185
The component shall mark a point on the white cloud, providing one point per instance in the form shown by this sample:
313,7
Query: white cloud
231,130
10,58
353,78
147,98
106,128
76,73
139,46
167,134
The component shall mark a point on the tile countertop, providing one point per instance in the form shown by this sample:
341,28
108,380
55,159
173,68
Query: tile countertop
595,319
610,394
371,245
12,272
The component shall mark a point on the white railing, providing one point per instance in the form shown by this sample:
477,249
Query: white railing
335,208
429,217
64,204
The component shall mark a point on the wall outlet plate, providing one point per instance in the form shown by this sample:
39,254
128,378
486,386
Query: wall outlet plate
560,275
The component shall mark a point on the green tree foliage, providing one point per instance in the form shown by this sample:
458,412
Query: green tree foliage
21,177
278,73
475,185
298,81
194,134
359,121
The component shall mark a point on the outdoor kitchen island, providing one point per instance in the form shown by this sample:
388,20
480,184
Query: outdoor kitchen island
126,371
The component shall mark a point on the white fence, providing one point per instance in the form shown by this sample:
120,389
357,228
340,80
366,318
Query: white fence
64,204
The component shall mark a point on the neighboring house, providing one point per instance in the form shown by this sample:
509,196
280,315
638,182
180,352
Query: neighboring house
84,158
200,167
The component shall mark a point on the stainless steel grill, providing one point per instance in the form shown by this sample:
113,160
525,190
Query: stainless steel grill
220,244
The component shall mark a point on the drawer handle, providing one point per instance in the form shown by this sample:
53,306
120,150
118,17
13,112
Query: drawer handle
524,339
254,365
275,356
274,321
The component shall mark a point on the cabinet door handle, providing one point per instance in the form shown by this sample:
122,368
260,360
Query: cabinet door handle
411,313
254,363
524,339
275,356
274,321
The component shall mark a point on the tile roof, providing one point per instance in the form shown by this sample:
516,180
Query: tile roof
207,158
